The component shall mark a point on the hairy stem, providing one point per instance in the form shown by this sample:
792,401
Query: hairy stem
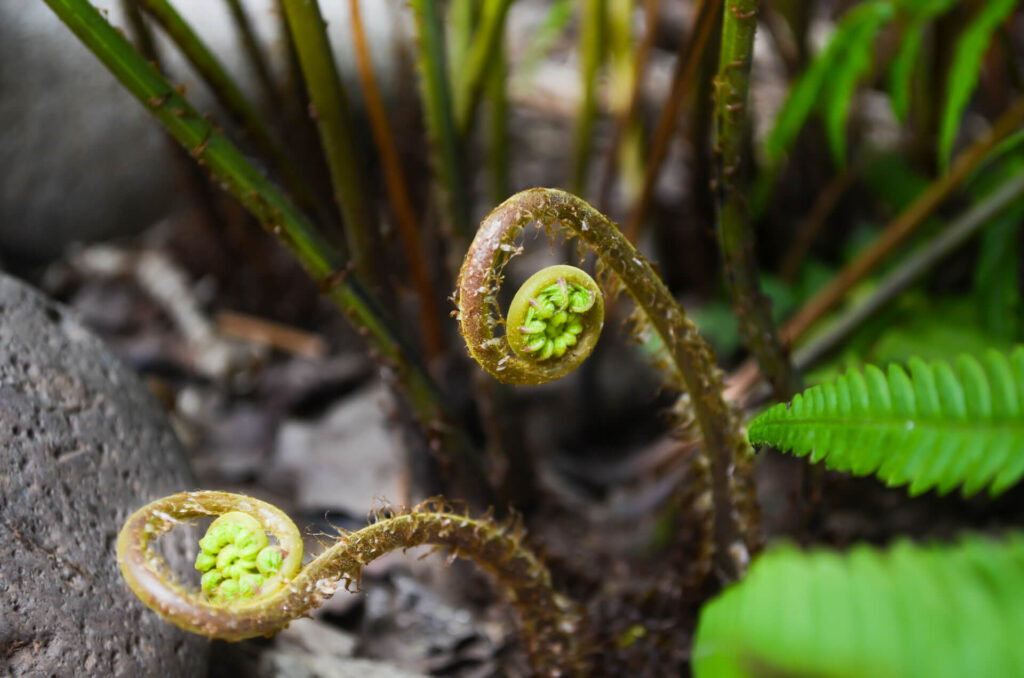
691,361
551,624
329,107
735,235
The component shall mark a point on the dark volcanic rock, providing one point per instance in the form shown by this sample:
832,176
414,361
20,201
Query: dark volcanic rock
82,445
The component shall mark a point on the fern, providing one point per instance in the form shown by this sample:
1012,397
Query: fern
910,611
963,74
855,33
902,67
934,428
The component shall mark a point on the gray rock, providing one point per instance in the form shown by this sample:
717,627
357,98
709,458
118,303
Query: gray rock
83,161
82,445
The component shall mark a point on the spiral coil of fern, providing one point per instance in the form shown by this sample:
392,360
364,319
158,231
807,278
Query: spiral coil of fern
690,360
551,624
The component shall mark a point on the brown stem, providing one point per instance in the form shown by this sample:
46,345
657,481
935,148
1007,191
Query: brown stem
903,225
398,191
686,68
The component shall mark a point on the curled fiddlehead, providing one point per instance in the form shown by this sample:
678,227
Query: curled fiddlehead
690,360
256,545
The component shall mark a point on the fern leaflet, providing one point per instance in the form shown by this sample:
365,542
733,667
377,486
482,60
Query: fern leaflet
963,74
932,611
937,427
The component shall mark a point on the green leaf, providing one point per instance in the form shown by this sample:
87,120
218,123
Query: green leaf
859,23
937,427
902,67
908,612
963,74
847,72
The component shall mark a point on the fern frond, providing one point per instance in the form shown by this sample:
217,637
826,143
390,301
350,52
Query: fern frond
963,74
937,427
855,32
902,67
932,611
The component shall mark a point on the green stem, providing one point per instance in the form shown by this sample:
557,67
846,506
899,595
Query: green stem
690,359
330,110
735,235
254,52
592,54
497,126
482,51
437,104
230,95
230,169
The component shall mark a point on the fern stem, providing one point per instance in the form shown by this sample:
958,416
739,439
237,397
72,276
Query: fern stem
900,228
682,77
254,53
912,268
485,45
735,235
652,14
337,134
446,147
230,95
229,168
592,53
691,360
398,191
552,625
497,126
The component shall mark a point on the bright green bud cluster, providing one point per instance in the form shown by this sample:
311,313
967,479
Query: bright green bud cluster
553,320
236,558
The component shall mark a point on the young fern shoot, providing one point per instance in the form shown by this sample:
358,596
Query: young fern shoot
253,587
691,361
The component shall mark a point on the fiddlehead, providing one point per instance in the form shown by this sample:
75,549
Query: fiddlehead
285,590
690,360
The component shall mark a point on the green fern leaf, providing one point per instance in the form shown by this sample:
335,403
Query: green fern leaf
963,75
908,612
935,427
860,22
902,67
847,72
